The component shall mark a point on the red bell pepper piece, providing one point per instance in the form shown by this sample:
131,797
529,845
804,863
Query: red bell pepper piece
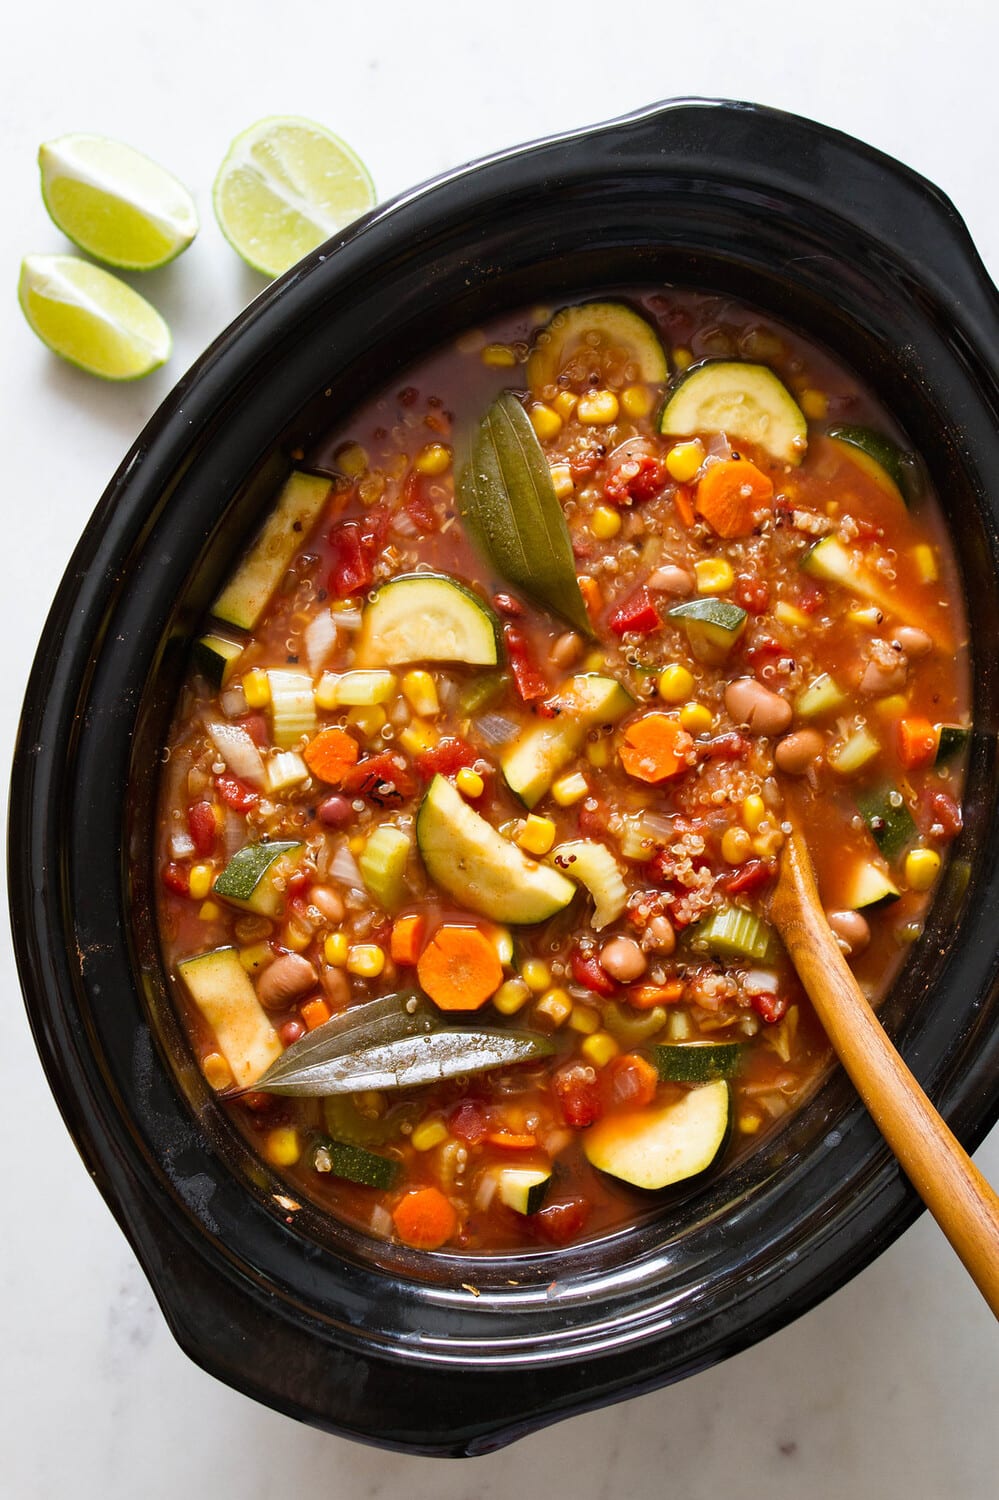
636,616
589,971
528,678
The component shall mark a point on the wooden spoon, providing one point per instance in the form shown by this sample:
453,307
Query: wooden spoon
941,1171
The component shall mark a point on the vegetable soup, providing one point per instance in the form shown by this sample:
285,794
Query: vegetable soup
477,788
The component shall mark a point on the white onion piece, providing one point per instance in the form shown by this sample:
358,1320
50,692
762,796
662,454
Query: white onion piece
237,749
320,638
381,1221
343,867
233,702
760,982
496,729
233,832
657,827
347,619
486,1191
718,446
181,844
636,447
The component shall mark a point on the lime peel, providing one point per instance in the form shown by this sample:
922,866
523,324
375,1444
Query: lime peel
92,318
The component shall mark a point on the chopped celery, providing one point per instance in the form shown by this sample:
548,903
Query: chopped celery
293,706
733,932
595,867
382,863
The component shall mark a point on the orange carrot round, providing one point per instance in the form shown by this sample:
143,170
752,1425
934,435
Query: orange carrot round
917,742
330,755
731,494
655,748
459,968
648,996
424,1219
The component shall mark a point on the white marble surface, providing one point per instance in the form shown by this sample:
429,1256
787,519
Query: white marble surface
890,1388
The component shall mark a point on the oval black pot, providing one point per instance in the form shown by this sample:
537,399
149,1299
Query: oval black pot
362,1338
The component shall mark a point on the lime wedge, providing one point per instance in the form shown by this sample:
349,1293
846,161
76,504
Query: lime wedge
115,203
91,318
285,186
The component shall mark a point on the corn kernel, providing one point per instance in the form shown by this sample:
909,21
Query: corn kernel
754,811
868,618
750,1122
597,408
537,835
600,1048
201,878
364,689
218,1074
435,458
428,1134
790,614
417,737
892,707
326,689
922,866
296,935
682,358
926,563
502,940
684,459
605,522
366,960
696,718
535,974
594,661
498,356
714,575
814,404
257,689
570,789
255,957
357,844
511,996
469,783
420,692
209,911
766,844
565,404
282,1147
352,461
675,683
546,422
637,401
599,753
584,1019
555,1007
335,949
736,846
370,721
562,480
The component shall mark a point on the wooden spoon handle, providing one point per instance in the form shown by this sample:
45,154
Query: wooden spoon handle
941,1171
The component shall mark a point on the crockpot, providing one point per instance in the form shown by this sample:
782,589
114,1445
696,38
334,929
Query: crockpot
441,1354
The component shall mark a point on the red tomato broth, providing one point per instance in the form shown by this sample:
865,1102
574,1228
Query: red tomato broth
414,525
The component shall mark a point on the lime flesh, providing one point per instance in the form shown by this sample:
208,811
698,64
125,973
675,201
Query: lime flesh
285,186
91,318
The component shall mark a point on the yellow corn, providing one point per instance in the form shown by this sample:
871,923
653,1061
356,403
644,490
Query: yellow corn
565,404
370,721
498,356
814,404
754,811
546,422
599,753
696,718
218,1074
682,358
469,783
427,1134
597,408
926,563
684,459
201,878
536,975
357,843
537,835
255,957
296,936
594,661
555,1007
749,1122
892,707
584,1019
600,1048
435,458
511,996
714,575
922,866
282,1146
868,618
605,523
736,846
257,688
562,480
570,789
335,949
352,460
366,960
767,843
209,911
637,401
675,683
417,737
420,692
790,614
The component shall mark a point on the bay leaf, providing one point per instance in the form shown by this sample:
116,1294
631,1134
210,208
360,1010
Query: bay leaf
507,500
405,1013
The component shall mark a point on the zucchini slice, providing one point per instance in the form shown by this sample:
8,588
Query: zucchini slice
747,402
485,872
830,561
523,1188
594,866
855,754
663,1144
952,741
713,627
382,864
616,326
822,696
884,811
248,880
215,657
355,1164
879,458
223,992
697,1062
868,885
245,596
533,760
428,617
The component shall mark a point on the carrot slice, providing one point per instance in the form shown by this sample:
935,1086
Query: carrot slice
424,1219
592,594
331,754
655,748
314,1013
917,742
511,1140
684,504
459,968
407,938
648,996
730,495
630,1079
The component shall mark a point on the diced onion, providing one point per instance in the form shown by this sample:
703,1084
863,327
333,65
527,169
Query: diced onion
486,1191
760,982
233,702
381,1221
348,619
238,751
233,832
181,844
343,867
320,638
496,729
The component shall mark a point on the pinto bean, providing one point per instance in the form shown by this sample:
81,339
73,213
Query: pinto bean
796,752
328,902
623,959
659,936
671,579
914,642
566,649
755,706
851,928
289,976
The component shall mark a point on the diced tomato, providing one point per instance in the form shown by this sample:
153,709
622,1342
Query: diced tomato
384,779
177,879
753,594
587,970
582,546
355,546
810,596
629,1080
582,465
636,480
868,531
528,678
593,817
203,826
561,1223
236,794
578,1094
636,616
769,1007
256,727
938,810
506,604
418,503
752,876
469,1121
445,758
731,746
